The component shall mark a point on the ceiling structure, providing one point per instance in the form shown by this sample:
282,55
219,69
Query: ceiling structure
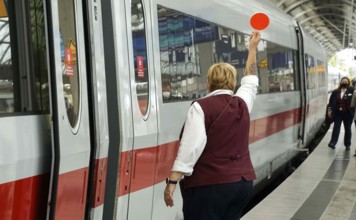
331,22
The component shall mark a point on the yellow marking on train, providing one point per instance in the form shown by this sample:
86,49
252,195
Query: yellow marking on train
3,11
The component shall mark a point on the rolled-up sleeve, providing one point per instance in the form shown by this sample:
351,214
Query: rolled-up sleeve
193,141
248,90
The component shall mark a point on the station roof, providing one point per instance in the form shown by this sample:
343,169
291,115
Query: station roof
331,22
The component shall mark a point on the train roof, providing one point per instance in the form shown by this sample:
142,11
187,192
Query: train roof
310,45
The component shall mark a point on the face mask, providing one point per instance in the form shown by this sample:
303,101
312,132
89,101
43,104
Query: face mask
166,94
344,85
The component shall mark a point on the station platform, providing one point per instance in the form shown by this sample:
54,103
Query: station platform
322,187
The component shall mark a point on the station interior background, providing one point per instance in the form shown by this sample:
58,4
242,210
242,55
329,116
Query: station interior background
333,24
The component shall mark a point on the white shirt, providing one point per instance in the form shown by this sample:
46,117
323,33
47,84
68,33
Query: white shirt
342,93
194,137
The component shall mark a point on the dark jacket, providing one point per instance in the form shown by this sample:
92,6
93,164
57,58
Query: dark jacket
333,105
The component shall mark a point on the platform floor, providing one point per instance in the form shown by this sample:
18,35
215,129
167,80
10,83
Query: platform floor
322,187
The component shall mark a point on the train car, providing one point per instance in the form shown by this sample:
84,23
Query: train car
93,95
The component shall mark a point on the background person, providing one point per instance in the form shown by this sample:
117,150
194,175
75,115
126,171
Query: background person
353,101
340,110
166,90
213,154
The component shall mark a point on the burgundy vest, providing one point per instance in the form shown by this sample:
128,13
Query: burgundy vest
342,102
226,157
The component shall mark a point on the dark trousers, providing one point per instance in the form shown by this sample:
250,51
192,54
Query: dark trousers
216,202
346,118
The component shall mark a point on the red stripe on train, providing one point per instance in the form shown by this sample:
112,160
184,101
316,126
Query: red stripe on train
71,194
150,166
24,199
145,173
101,167
264,127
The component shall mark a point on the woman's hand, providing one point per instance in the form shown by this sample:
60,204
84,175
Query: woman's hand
330,114
168,194
251,67
255,38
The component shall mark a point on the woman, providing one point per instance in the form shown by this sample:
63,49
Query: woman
353,102
213,154
340,110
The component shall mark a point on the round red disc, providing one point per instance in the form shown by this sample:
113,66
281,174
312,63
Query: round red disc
259,21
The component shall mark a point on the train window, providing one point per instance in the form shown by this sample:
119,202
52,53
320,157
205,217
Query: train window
276,66
39,55
186,48
189,46
310,72
23,59
321,74
8,71
140,54
70,73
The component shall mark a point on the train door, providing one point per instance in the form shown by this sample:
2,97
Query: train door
303,89
144,109
98,109
70,116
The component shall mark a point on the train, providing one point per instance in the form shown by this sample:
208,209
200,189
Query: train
93,95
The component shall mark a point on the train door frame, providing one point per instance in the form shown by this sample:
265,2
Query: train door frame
302,78
71,143
114,124
145,125
98,108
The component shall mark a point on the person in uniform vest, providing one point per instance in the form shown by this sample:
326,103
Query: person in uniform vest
213,154
340,110
353,102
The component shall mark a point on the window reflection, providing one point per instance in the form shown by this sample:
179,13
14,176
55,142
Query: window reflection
189,46
140,55
280,64
310,72
321,74
6,62
23,72
39,55
70,71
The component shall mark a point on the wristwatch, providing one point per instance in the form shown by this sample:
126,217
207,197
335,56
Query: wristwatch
168,181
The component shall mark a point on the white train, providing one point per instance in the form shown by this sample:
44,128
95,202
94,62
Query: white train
93,95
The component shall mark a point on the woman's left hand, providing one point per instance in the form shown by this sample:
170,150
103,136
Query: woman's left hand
168,194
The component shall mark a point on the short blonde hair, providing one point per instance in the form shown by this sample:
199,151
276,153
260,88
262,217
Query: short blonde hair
221,76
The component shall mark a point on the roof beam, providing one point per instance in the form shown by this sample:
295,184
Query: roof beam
297,4
302,21
336,17
320,7
350,21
